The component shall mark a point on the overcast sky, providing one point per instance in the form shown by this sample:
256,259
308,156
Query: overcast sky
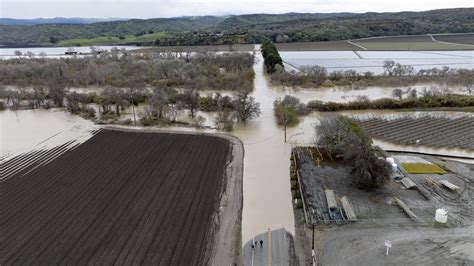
173,8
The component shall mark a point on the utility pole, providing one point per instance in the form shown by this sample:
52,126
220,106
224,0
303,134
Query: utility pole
133,107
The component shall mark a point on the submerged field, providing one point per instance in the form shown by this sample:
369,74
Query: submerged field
120,197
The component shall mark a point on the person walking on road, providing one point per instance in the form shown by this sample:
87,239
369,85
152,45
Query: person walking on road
261,243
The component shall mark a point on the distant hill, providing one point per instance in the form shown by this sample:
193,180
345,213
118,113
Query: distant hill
235,22
343,26
11,35
58,20
289,27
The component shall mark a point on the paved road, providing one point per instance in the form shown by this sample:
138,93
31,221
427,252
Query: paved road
275,250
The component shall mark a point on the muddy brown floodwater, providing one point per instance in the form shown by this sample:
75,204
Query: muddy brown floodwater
266,184
23,130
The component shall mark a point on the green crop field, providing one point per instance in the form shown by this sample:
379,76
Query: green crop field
422,168
112,40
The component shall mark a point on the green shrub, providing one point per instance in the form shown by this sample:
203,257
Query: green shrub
299,205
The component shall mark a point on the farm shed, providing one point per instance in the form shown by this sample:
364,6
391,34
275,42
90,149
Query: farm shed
408,183
348,209
449,185
331,199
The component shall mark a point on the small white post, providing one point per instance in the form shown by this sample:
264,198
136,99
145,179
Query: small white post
388,244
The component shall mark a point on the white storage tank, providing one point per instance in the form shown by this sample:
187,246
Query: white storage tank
394,167
441,216
392,163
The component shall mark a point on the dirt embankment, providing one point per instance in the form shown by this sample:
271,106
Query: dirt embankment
226,248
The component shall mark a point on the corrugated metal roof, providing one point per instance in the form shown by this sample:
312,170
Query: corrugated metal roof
331,199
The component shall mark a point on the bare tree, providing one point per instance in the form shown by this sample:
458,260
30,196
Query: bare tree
56,93
73,99
191,99
412,93
245,106
223,120
388,67
159,101
398,93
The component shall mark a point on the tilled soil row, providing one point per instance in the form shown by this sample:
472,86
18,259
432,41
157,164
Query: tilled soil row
121,197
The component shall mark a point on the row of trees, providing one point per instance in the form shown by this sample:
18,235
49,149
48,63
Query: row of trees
199,71
161,104
428,99
341,137
394,74
271,57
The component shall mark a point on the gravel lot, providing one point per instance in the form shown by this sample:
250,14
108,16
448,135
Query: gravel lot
362,242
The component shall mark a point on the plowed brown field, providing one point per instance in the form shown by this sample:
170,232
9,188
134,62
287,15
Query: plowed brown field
119,198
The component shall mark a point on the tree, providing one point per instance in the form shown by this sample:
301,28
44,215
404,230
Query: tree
398,93
246,107
412,93
223,120
191,100
287,110
56,93
368,170
73,100
271,56
342,137
388,66
159,101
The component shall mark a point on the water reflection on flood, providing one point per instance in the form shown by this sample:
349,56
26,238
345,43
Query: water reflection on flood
24,130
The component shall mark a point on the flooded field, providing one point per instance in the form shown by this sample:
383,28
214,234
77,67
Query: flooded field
266,184
372,61
6,53
23,130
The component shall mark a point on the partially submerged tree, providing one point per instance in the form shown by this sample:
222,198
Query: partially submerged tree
57,93
223,120
73,99
398,93
287,110
245,106
342,137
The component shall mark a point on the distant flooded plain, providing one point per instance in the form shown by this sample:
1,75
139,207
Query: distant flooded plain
364,61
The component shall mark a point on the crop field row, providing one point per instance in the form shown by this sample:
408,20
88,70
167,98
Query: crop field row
417,43
456,38
390,43
119,198
317,46
431,131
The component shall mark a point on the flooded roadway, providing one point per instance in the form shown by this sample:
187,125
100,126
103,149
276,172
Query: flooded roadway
266,185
